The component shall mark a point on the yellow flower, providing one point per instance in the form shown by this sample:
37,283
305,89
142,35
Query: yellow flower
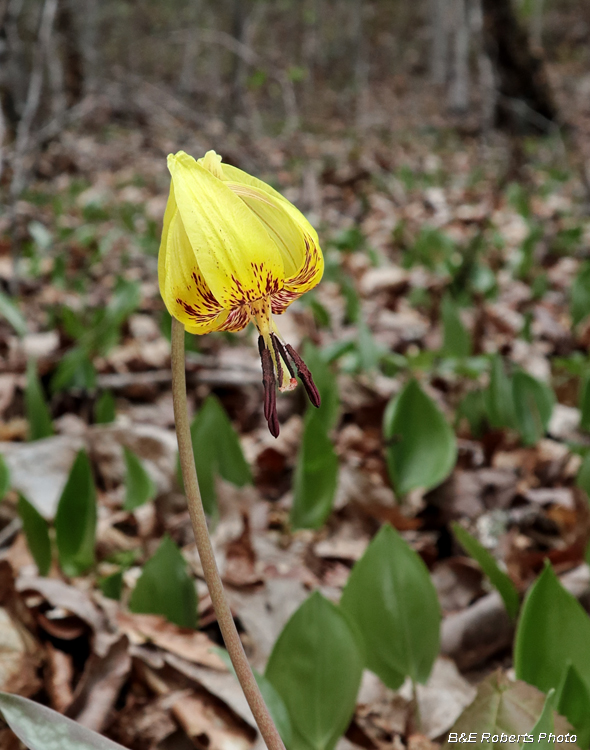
234,250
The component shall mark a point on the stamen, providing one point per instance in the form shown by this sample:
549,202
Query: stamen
270,389
277,359
305,376
281,354
278,345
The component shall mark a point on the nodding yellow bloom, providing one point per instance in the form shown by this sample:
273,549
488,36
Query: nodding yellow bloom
234,250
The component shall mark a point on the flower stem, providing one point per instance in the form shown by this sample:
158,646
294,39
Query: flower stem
199,522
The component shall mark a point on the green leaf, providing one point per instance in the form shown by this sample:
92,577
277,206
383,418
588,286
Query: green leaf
326,384
472,407
553,630
75,370
4,477
273,700
533,405
456,339
316,667
75,520
105,408
545,724
574,703
139,487
498,578
316,476
217,449
422,448
584,402
165,587
503,707
112,586
369,352
583,478
10,312
498,396
40,728
36,409
580,294
391,598
37,535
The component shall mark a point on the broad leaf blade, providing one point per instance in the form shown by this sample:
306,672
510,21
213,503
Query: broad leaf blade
498,397
574,704
37,535
165,587
456,339
316,667
112,586
533,405
40,728
4,477
316,476
502,706
422,446
38,415
583,478
545,724
498,578
216,448
580,294
75,520
553,630
390,596
105,408
10,312
139,487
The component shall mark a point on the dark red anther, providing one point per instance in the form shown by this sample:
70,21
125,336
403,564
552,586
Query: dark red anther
305,376
270,389
280,353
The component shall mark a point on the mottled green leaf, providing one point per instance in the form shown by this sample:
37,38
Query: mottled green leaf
391,598
533,405
38,415
498,578
37,535
40,728
316,476
4,477
139,487
553,631
422,447
165,587
105,408
316,667
75,520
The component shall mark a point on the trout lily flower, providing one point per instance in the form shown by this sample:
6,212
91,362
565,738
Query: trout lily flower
234,250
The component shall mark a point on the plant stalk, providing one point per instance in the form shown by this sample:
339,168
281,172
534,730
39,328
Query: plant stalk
199,522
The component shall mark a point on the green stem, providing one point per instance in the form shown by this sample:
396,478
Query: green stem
199,522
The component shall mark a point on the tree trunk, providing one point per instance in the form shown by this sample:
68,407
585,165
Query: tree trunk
72,61
439,60
459,88
525,100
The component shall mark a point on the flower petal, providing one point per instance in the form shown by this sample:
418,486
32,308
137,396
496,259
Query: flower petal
281,219
238,259
182,285
309,275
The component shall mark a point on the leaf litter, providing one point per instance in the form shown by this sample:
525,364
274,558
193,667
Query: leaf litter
395,246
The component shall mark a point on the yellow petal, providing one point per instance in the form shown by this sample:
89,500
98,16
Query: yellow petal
308,276
282,220
238,259
182,285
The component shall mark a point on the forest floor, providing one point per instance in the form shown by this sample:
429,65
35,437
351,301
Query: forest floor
441,252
